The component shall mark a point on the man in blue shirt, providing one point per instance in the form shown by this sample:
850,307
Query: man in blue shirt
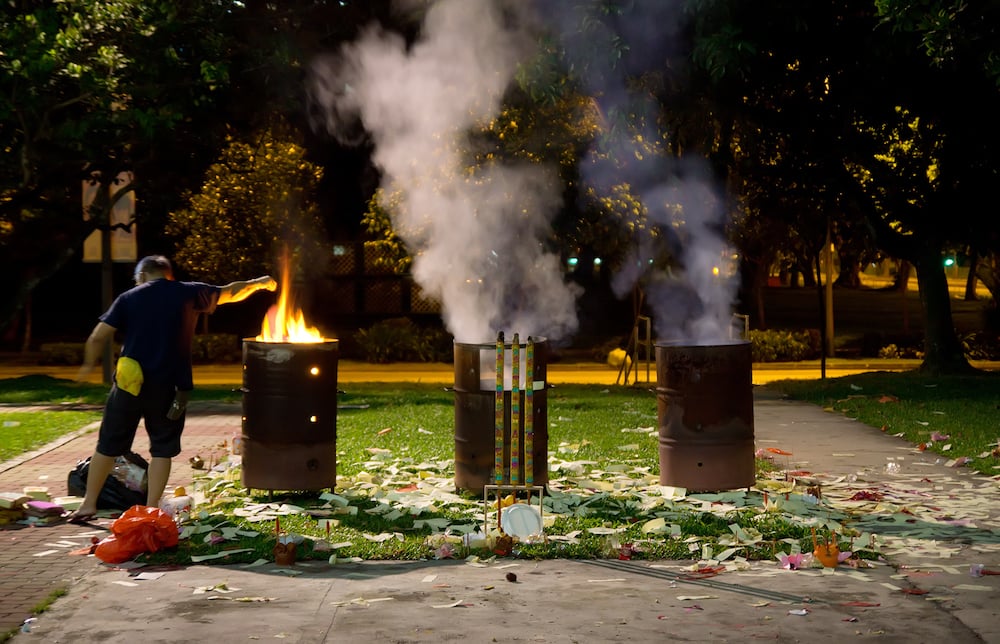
153,378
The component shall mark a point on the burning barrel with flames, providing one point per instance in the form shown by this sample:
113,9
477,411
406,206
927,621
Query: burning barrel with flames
289,404
704,400
512,439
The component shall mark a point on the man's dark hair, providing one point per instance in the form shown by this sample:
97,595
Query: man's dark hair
155,264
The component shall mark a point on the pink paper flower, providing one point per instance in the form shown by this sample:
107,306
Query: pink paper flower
792,562
446,551
938,436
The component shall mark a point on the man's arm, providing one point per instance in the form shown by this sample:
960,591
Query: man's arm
239,291
99,337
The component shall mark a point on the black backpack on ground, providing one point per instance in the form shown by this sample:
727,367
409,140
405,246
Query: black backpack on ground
116,494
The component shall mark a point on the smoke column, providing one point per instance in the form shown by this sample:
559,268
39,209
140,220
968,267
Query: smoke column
694,305
694,302
475,236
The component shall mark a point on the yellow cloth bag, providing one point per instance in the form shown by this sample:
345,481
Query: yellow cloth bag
128,375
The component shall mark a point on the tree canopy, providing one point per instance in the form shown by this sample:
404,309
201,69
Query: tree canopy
807,113
149,86
863,131
256,198
91,86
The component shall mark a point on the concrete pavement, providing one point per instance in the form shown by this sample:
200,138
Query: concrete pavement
943,521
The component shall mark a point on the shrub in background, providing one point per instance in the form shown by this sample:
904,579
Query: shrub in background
438,345
891,345
206,348
780,346
400,340
216,347
893,352
815,342
61,354
981,345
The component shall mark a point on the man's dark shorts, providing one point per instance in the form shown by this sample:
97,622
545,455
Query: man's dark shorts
121,420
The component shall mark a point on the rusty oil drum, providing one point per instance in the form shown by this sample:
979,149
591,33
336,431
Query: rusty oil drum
704,397
475,414
290,415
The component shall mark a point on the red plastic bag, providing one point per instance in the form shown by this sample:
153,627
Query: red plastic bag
139,529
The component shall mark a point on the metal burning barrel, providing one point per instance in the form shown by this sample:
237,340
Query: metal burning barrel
704,398
476,415
290,415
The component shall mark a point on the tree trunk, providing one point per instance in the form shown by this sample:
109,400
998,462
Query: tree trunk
902,276
988,272
828,332
760,279
26,343
753,273
850,273
808,274
943,352
971,281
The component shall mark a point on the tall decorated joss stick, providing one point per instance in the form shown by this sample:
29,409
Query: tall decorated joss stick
515,412
498,434
529,414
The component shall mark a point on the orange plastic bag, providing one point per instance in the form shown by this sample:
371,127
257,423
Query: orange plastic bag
139,529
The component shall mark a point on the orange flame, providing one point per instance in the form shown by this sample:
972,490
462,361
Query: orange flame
284,322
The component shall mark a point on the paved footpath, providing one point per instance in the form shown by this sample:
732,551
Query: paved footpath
33,560
927,594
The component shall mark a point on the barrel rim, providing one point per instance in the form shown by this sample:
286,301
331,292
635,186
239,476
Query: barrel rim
323,342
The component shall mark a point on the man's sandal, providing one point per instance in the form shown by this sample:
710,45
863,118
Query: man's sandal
80,518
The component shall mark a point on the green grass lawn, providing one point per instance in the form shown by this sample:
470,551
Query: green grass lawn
22,432
417,422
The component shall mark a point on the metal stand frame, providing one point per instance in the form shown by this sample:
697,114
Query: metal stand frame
632,350
531,490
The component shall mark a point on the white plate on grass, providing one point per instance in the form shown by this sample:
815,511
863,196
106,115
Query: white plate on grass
520,520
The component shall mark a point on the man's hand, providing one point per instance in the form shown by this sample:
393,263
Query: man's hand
99,337
85,370
239,291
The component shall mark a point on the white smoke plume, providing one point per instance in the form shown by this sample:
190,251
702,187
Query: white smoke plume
693,305
476,236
